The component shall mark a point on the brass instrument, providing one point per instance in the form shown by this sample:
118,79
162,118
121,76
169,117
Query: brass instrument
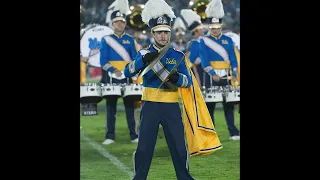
134,19
200,7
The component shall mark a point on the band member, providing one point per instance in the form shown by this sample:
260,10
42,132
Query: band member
217,56
116,51
179,28
195,26
160,103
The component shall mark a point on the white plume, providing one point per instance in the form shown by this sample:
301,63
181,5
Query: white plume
112,5
190,16
215,9
156,8
110,11
178,23
122,6
108,16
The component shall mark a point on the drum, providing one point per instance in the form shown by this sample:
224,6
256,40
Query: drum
213,94
90,93
90,42
232,93
110,90
132,90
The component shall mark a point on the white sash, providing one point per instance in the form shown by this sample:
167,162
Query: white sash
221,51
115,45
216,48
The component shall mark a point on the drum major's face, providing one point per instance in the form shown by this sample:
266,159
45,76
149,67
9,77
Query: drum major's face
119,25
215,31
162,37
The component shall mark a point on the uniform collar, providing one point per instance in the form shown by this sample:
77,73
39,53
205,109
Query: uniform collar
119,36
216,37
156,47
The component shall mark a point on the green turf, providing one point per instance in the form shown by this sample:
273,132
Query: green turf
221,165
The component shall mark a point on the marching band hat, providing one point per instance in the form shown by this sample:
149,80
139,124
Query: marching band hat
215,13
120,10
192,19
157,14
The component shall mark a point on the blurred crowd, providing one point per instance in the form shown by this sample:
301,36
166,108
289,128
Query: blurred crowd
96,10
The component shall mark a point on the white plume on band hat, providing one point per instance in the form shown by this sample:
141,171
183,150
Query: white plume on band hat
191,17
109,12
215,13
123,7
154,9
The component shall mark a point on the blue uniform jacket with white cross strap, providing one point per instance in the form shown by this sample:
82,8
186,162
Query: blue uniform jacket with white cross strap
153,78
217,50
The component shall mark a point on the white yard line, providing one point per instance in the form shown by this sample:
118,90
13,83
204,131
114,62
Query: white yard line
114,160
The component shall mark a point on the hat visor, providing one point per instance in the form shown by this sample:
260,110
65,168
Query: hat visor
161,29
118,19
215,25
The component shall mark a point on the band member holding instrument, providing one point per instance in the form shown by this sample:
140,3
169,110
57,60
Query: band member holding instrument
116,51
165,75
217,58
160,106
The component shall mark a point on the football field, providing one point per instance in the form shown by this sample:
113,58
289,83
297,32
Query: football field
114,161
